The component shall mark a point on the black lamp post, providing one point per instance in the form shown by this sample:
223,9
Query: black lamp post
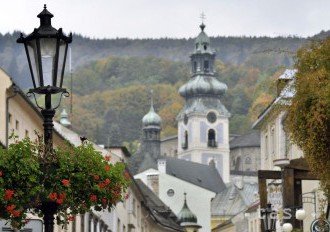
46,50
268,216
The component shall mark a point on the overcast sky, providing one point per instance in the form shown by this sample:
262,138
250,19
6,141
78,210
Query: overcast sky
171,18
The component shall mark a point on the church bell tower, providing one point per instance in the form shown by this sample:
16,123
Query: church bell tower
203,128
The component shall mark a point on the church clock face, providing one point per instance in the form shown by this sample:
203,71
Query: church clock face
185,119
211,117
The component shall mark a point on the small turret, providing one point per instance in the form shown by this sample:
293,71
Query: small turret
187,219
64,119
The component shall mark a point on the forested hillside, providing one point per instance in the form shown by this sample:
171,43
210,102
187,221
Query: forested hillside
253,51
112,79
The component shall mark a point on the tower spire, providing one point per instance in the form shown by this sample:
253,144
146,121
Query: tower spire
202,26
152,99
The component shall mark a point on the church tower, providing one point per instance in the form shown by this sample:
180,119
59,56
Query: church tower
203,128
151,126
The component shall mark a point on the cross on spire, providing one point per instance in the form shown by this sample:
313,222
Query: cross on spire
202,26
152,97
203,17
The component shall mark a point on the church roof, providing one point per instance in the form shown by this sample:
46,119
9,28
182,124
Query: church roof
234,199
160,212
247,140
202,42
198,174
202,85
203,105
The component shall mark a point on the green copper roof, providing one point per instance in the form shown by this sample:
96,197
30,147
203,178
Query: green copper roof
202,85
151,118
185,215
202,42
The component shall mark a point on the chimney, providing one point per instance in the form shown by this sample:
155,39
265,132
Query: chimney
161,166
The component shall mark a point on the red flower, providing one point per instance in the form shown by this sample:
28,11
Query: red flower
101,185
107,181
127,196
104,200
52,196
107,158
59,201
0,173
107,167
16,213
93,198
62,196
96,177
10,208
70,219
65,182
9,194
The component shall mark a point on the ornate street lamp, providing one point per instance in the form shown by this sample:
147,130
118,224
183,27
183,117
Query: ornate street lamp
46,50
268,216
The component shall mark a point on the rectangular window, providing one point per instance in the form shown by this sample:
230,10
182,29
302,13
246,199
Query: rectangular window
134,207
82,223
118,225
17,125
124,228
27,134
74,224
266,146
272,140
9,118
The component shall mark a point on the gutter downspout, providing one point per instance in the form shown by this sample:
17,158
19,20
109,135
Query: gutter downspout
15,89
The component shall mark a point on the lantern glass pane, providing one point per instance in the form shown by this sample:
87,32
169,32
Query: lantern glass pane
33,58
48,51
61,62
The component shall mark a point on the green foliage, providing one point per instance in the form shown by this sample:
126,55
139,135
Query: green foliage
309,113
78,179
113,96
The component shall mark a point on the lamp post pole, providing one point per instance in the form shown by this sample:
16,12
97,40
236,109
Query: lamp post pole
48,114
46,49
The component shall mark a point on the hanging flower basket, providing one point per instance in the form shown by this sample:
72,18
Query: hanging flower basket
76,180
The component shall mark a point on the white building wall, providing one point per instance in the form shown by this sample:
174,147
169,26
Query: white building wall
198,150
198,199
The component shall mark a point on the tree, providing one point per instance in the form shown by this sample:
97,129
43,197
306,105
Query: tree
309,113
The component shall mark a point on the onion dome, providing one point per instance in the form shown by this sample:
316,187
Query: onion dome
185,216
151,118
64,119
202,85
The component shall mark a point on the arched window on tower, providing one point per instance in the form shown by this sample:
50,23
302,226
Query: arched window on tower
195,66
206,66
211,142
185,140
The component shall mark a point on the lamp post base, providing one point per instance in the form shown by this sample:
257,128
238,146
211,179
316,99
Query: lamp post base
49,210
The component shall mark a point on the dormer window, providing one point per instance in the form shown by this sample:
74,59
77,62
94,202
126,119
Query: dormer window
211,142
195,66
205,47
